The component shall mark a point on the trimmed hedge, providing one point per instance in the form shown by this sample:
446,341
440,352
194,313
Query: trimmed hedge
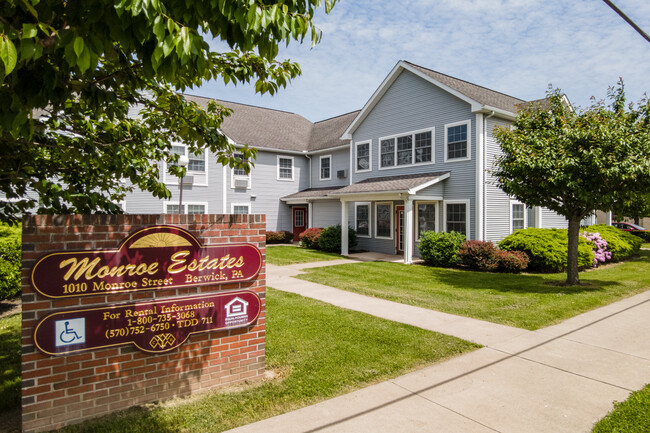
620,243
484,256
440,249
309,238
547,248
330,239
282,237
643,235
10,261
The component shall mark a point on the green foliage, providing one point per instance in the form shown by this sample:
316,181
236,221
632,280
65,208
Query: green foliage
547,249
484,256
10,376
330,239
574,161
309,238
10,261
282,237
629,416
440,249
70,71
620,243
645,236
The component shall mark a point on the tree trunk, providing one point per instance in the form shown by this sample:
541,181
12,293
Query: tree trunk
637,220
572,277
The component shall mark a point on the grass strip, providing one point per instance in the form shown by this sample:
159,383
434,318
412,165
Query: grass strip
529,301
319,351
10,377
282,255
629,416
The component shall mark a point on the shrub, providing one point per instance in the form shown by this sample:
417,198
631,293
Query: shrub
440,249
10,261
598,246
282,237
643,235
330,239
547,249
620,243
479,255
512,261
484,256
309,238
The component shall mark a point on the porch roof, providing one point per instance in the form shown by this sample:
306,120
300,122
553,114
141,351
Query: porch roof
311,194
393,184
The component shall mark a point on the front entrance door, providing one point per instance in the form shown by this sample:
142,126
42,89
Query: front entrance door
299,221
399,235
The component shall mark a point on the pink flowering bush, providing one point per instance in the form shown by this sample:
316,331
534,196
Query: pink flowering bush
599,247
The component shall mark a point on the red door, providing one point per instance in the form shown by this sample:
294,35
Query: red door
399,228
299,221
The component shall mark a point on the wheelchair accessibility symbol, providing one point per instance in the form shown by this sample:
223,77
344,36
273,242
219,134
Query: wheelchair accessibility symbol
70,331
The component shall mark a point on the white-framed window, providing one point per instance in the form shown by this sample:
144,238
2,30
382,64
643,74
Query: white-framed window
458,137
197,167
362,219
457,216
285,168
518,217
411,148
240,208
326,167
363,156
384,220
238,176
426,217
190,208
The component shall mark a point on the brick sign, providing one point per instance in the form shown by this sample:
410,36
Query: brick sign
151,326
152,258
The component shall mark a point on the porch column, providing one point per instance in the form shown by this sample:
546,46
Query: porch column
344,228
310,220
608,218
408,231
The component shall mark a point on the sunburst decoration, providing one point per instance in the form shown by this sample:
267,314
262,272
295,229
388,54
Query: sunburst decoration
156,240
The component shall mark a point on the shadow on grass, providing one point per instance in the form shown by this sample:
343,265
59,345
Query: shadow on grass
515,283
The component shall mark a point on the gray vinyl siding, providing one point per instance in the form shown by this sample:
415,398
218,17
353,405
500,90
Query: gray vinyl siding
551,220
340,161
208,193
266,190
497,202
326,213
412,103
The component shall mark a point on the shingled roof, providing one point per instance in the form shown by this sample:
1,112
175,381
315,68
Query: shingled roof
391,183
478,93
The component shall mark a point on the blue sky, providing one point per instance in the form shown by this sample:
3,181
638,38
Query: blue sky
517,47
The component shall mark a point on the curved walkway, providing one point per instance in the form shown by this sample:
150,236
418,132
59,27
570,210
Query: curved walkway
557,379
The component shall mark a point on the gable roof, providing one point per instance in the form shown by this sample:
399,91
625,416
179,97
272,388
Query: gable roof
478,93
262,127
327,133
480,98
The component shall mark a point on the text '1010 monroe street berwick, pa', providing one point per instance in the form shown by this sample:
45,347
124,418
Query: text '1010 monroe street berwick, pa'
152,258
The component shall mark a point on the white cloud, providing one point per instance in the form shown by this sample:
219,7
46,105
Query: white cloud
516,47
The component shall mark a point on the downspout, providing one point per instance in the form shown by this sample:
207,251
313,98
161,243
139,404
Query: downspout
485,123
309,158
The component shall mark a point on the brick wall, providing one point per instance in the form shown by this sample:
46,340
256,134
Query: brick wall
66,389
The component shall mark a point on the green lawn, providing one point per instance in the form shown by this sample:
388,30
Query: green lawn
288,255
318,350
529,301
646,245
10,361
630,416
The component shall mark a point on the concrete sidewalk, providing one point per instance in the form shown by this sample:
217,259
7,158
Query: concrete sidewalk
558,379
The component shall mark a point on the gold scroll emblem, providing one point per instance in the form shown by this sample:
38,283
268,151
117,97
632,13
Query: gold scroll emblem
162,341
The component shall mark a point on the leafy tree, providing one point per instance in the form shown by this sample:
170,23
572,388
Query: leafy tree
637,208
573,162
70,71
